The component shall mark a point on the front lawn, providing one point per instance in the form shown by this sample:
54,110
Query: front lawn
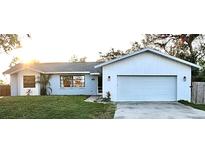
197,106
53,107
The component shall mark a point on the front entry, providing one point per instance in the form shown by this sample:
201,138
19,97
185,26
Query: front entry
100,85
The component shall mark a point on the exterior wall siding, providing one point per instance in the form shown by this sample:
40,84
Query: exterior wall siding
14,84
147,64
90,88
17,89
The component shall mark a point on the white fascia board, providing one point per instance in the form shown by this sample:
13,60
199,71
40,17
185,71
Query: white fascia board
175,58
153,51
66,72
50,72
94,73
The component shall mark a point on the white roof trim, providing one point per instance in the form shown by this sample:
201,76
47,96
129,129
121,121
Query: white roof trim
35,70
153,51
66,72
94,73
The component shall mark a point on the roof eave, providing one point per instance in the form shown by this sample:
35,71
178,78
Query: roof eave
196,67
153,51
94,73
77,72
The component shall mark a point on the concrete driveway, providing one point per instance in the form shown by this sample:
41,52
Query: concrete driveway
157,110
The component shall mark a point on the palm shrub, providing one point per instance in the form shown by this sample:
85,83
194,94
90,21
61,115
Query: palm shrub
107,98
44,81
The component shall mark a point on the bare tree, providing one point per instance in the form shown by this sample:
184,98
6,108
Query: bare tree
75,59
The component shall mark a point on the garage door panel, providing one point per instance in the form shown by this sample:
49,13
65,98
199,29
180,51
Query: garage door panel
146,88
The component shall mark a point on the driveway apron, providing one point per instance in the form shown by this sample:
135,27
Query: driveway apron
157,110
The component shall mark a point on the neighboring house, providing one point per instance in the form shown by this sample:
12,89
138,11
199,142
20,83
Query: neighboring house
145,75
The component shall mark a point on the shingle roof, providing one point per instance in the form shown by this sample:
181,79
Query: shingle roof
57,67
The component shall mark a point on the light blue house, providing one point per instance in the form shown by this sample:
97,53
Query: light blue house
145,75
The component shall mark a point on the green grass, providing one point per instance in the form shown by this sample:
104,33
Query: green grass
197,106
53,107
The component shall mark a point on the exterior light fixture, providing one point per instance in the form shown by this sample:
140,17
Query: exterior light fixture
184,78
108,78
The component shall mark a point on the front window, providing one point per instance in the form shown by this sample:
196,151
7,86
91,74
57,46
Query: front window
72,80
29,81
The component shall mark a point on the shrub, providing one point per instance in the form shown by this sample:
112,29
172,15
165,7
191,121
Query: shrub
107,98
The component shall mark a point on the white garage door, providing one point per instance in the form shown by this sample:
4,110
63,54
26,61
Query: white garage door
146,88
